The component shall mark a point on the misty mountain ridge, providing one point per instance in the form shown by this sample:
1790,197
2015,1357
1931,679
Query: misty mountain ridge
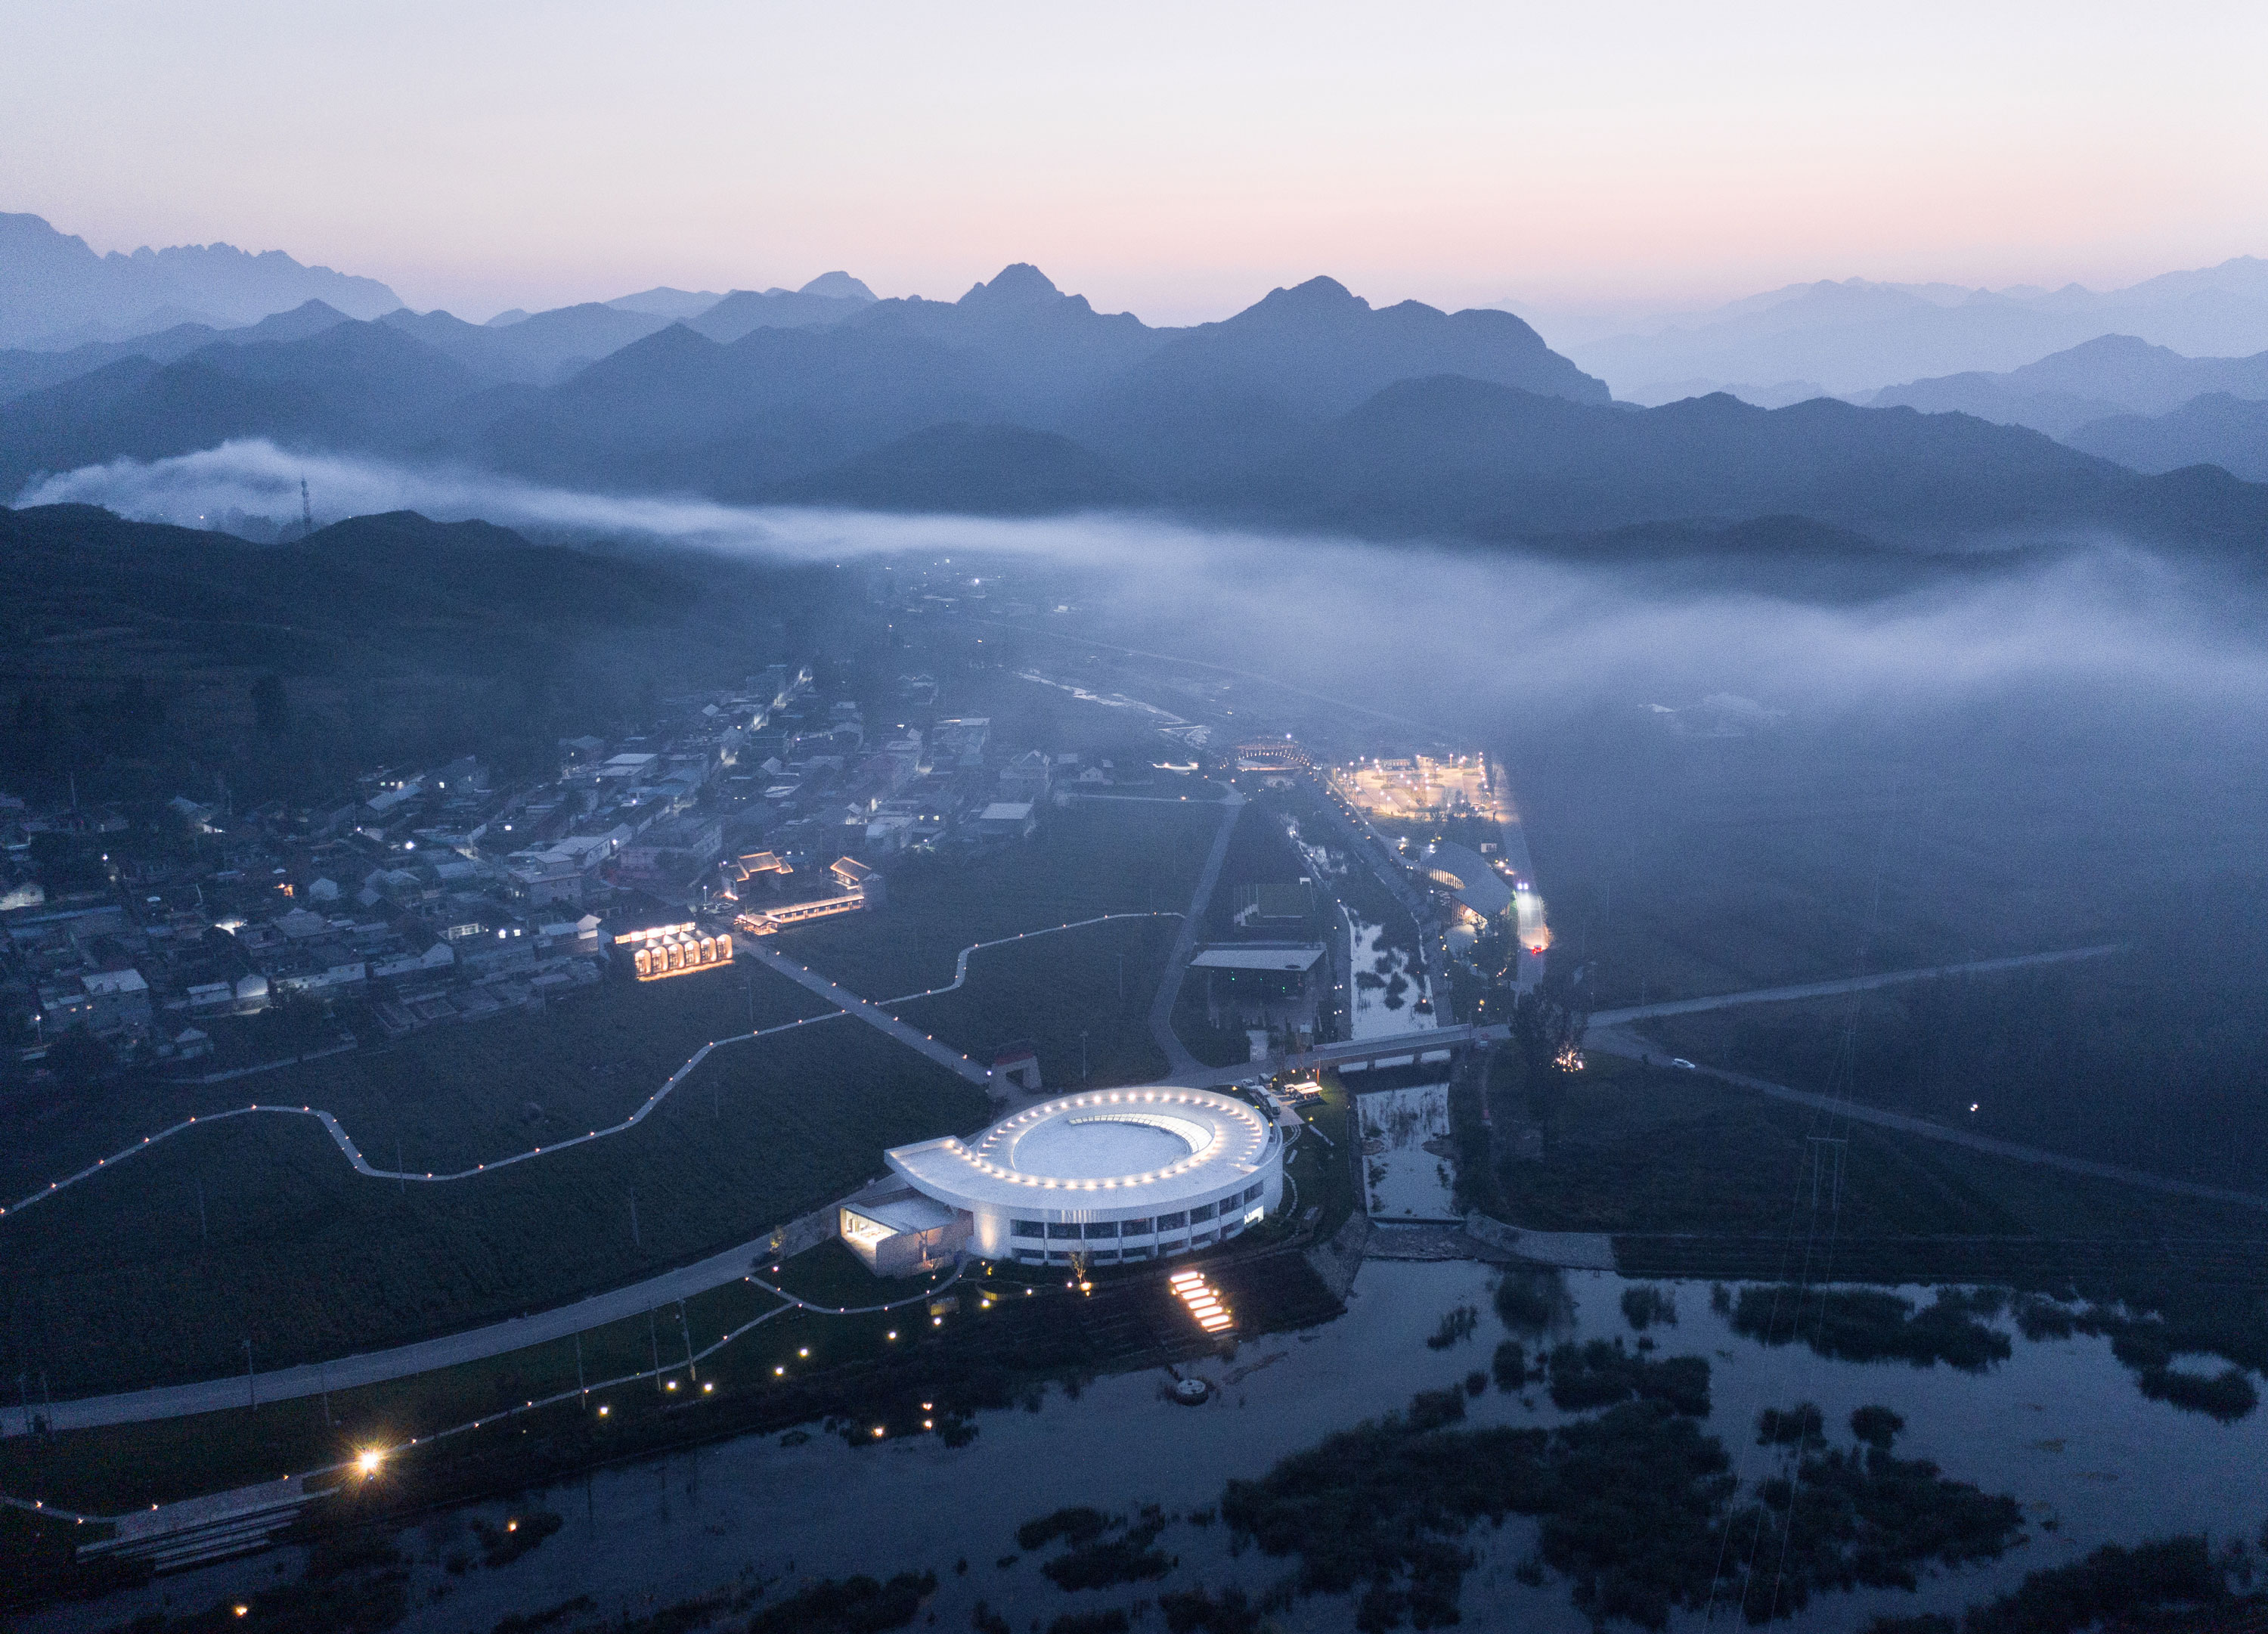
2215,429
1310,409
1859,336
2111,374
52,284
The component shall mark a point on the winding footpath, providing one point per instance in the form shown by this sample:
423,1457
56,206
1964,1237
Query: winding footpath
961,965
689,1362
363,1166
496,1338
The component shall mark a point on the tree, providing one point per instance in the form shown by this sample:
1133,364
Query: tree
1547,1029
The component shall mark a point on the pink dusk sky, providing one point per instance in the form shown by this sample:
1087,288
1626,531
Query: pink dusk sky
1173,159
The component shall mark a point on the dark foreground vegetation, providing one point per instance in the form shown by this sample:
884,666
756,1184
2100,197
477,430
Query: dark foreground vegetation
1874,1325
1639,1510
2146,1586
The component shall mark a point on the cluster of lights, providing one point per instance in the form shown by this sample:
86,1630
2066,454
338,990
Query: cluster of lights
1204,1305
1008,1133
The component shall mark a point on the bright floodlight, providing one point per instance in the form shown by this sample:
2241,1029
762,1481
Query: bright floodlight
368,1459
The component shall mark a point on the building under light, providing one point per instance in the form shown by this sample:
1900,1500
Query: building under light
1110,1176
667,950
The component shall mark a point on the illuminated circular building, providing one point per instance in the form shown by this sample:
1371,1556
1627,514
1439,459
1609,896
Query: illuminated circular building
1115,1174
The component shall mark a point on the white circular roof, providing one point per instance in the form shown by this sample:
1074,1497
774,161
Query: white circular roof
1107,1153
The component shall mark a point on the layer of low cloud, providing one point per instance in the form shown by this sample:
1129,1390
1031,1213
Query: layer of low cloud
1447,634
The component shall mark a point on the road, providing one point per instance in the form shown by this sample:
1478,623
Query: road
497,1338
913,1038
1179,1062
450,1350
1616,1043
1847,984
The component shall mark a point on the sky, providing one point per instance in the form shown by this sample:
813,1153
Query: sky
1174,159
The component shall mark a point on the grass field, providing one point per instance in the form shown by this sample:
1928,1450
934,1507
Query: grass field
1639,1150
443,1098
1091,857
110,1285
1094,982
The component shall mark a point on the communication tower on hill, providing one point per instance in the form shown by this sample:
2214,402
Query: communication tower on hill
306,511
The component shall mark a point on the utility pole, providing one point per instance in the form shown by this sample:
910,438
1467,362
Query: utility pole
685,1327
581,1388
653,1344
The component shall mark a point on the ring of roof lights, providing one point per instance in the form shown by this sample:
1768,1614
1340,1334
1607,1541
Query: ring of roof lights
1104,1159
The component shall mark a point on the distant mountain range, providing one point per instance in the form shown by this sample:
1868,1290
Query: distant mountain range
1310,409
1858,336
55,292
2119,396
2216,429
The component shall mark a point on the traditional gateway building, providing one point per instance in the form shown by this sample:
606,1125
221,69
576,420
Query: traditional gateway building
1110,1175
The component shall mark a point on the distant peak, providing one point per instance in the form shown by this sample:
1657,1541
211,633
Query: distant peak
1317,296
837,286
1021,284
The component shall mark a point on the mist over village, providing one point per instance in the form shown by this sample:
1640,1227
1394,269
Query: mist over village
1211,820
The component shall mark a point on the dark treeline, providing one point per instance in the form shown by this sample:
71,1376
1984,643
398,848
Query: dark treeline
2132,1587
144,661
1639,1511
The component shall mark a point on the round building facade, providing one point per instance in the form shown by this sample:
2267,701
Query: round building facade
1113,1174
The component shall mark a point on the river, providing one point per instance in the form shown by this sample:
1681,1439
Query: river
2060,1425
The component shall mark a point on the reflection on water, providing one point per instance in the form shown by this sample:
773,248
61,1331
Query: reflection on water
1388,985
1406,1152
2060,1426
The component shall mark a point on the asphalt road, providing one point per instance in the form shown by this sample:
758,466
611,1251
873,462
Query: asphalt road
1617,1043
1847,984
497,1338
1179,1063
474,1344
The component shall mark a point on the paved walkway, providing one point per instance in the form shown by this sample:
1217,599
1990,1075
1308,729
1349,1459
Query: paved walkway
362,1166
961,965
1180,1064
873,1015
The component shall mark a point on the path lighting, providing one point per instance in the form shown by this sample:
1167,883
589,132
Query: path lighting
806,1351
891,1334
604,1410
779,1372
672,1384
706,1389
878,1430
